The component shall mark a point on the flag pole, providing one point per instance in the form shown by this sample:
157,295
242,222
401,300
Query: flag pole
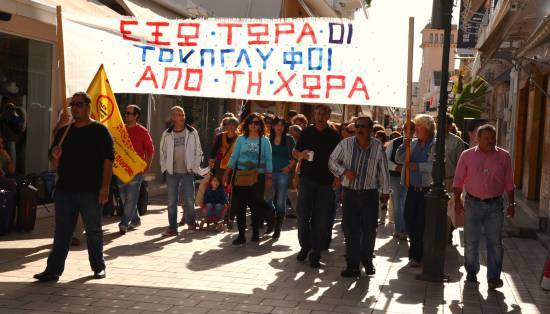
61,60
408,130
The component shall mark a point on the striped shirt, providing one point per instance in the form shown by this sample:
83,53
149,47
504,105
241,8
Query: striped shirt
370,165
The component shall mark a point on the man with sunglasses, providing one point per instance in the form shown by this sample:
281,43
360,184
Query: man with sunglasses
84,153
361,163
143,145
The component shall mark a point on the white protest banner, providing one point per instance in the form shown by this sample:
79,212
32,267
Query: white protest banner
313,60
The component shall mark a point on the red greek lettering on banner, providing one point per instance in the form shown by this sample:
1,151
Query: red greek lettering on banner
330,86
259,32
189,39
359,86
315,86
285,83
229,26
234,73
126,33
148,75
157,34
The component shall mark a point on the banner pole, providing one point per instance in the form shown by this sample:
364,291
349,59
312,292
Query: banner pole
61,60
409,103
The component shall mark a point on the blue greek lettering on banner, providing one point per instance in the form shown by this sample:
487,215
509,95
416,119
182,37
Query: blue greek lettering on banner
264,57
162,55
183,59
205,51
292,58
332,32
319,58
223,52
144,49
329,59
243,54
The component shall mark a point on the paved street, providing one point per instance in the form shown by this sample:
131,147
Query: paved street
201,272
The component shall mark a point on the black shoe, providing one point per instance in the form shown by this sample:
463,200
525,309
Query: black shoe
276,234
350,273
239,240
471,278
495,283
100,274
302,255
255,235
46,277
75,241
314,262
369,268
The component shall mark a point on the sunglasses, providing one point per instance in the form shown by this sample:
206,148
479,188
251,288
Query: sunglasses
360,126
78,104
129,113
255,122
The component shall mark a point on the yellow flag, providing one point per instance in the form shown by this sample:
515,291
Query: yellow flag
105,109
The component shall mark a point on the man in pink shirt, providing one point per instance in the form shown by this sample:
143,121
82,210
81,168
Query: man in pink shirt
484,172
143,145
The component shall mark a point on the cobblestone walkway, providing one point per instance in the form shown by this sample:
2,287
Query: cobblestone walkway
201,272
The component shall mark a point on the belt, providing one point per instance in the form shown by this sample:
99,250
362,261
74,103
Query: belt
486,200
419,189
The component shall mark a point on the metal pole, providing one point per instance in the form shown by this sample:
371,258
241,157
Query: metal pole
408,133
435,232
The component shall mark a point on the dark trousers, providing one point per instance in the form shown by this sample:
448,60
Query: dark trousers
253,197
67,207
360,221
415,215
315,203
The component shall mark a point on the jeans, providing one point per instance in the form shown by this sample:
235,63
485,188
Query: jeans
415,215
253,197
214,210
398,196
185,181
360,220
488,216
67,207
280,192
315,203
129,193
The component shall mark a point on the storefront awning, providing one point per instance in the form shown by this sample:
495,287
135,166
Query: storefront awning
539,37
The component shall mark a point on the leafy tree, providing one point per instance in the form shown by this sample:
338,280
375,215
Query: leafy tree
470,102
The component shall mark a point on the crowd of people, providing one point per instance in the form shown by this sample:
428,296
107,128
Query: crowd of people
268,164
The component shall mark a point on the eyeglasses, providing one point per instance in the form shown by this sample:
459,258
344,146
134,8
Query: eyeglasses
78,104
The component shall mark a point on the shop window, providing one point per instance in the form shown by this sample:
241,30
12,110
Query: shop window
26,81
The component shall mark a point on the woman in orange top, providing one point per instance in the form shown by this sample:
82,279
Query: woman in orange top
223,146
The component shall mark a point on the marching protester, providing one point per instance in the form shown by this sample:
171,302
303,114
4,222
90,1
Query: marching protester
362,165
317,184
85,164
223,146
222,126
300,120
383,211
295,131
282,145
251,162
422,157
180,158
143,145
398,190
290,114
485,173
454,146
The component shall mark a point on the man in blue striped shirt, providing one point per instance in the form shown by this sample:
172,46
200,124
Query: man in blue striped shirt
362,165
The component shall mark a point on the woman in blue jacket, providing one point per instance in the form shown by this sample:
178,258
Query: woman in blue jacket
252,152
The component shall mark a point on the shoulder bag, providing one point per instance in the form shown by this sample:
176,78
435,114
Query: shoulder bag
248,177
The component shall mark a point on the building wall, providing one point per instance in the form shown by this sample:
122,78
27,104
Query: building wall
432,55
544,204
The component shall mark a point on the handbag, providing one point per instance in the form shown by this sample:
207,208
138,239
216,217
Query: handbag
248,177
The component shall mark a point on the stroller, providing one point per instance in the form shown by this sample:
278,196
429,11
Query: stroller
219,221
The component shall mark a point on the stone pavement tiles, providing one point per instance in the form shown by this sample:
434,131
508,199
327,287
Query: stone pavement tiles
201,272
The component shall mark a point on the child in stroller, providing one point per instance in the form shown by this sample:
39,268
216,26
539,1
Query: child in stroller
215,206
